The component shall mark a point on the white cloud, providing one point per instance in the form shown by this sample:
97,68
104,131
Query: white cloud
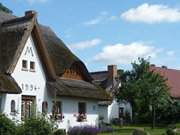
102,17
152,14
170,53
125,54
85,44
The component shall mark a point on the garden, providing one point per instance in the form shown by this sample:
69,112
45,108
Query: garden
39,125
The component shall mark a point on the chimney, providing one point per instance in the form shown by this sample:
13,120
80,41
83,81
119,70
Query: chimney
153,65
112,72
163,66
30,13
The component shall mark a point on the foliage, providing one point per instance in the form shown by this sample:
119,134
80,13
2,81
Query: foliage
7,127
83,130
145,90
170,131
5,9
105,128
36,126
115,121
139,132
59,132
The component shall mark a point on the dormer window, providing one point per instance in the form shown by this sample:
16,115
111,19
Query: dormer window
32,66
24,65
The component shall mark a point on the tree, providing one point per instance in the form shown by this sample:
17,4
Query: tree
144,89
5,9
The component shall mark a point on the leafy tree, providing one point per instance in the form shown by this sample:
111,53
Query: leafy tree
5,9
144,89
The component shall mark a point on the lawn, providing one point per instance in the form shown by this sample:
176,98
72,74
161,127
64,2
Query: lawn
127,130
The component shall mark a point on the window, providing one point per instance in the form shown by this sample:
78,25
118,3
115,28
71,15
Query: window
45,107
121,112
82,111
82,108
57,111
13,104
24,65
32,66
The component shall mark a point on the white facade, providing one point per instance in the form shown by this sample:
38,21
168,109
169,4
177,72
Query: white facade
33,85
103,112
115,108
70,112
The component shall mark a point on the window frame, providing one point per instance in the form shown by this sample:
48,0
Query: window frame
57,112
45,107
82,112
24,65
32,66
13,106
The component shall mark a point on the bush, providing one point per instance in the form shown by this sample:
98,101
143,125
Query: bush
106,129
7,127
170,132
59,132
36,126
139,132
83,130
115,121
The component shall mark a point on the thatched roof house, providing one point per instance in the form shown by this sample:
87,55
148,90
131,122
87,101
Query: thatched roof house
66,73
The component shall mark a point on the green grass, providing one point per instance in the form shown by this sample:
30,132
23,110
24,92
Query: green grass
127,130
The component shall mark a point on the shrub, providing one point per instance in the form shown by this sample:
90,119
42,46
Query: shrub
36,126
83,130
139,132
59,132
7,127
115,121
170,132
106,129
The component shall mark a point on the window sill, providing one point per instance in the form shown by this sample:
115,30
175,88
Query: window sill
24,69
32,70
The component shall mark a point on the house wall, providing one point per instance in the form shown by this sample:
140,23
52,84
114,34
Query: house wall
113,109
31,83
103,112
70,111
34,84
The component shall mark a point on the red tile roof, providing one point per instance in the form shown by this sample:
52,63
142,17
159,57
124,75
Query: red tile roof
173,79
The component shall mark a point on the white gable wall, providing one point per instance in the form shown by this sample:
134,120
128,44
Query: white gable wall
31,83
34,84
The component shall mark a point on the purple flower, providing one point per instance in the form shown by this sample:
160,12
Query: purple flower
83,130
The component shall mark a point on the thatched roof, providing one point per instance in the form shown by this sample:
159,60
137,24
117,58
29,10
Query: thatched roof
61,57
77,88
53,53
8,85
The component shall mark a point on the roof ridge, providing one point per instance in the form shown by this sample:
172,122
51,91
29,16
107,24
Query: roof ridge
167,68
17,20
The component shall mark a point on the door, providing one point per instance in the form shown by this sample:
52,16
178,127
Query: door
28,107
121,112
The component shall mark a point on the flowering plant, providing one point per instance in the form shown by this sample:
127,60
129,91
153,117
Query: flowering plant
58,116
83,130
81,117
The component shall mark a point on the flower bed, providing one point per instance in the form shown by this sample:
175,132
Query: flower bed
83,130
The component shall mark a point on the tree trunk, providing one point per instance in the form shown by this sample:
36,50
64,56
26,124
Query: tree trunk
153,116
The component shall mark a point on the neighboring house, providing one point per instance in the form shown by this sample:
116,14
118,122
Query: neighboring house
109,80
172,76
39,74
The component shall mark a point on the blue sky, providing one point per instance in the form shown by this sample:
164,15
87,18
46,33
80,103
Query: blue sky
103,32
